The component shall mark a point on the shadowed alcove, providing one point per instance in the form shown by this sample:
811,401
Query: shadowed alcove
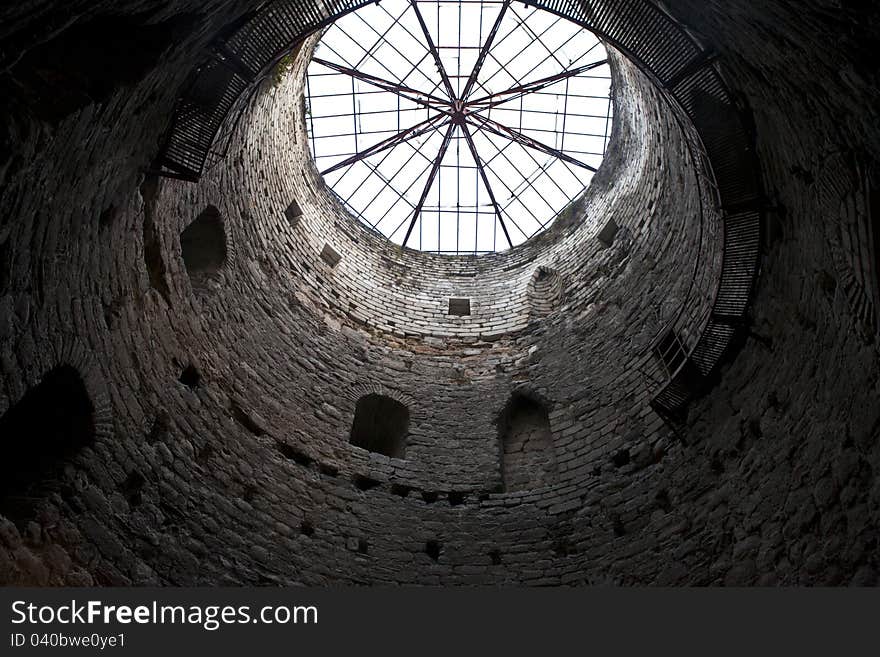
203,247
380,425
39,436
528,457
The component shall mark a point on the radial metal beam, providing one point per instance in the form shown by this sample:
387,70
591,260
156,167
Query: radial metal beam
487,101
465,102
433,49
420,97
484,51
509,133
514,196
418,209
395,140
479,163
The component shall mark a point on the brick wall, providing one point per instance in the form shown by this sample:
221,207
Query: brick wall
248,476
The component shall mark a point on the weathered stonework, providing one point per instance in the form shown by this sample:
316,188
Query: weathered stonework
249,476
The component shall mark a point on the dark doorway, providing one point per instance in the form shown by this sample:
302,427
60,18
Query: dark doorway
380,425
528,457
38,436
203,245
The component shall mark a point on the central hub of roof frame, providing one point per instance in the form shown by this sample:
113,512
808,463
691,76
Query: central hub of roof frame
496,97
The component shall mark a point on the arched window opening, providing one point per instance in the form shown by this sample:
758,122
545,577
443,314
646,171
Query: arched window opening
528,459
380,425
203,246
38,436
545,292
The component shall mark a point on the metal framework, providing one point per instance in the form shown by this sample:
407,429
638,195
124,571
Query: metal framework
458,126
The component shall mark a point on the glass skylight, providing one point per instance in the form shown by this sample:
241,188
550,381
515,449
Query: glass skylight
457,126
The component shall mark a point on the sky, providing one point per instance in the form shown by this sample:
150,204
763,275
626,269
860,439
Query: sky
530,186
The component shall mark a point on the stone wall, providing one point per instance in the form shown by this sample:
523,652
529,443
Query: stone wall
222,454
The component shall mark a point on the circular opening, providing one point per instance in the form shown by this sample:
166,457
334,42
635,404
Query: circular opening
457,126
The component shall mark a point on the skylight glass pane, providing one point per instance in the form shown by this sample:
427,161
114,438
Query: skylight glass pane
402,94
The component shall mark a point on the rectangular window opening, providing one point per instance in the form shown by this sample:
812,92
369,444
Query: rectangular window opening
293,213
459,306
607,234
330,256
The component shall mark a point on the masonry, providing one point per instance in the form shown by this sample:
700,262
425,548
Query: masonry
231,347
